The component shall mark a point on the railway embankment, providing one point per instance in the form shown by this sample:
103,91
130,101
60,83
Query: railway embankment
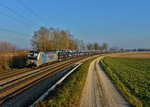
68,93
21,90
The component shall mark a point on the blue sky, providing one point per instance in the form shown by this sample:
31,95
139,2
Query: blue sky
123,23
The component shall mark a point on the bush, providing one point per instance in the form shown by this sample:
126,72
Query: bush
9,61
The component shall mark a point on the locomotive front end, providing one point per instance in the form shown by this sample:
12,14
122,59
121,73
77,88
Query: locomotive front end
32,59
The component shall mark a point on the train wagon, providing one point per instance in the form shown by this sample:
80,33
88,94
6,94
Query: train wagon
37,59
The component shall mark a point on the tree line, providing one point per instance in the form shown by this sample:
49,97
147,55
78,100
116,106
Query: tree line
96,46
46,39
7,47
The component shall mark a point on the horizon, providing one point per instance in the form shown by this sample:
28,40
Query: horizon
123,24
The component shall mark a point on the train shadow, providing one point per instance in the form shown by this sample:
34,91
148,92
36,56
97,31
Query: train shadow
18,62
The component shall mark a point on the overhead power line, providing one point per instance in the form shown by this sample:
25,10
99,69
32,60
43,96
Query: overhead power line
33,12
13,18
7,30
25,18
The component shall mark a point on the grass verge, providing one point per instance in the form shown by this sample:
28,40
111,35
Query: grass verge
68,93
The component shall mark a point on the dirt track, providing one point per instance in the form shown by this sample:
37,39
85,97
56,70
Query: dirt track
99,90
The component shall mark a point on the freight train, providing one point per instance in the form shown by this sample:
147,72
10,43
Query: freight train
38,58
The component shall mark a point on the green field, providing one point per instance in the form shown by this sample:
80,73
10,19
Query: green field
131,76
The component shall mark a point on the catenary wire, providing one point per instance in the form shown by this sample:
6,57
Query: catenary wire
4,14
25,18
29,9
7,30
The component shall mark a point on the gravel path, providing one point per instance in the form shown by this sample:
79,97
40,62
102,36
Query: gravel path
99,90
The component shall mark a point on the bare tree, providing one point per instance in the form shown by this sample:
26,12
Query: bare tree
40,39
96,45
50,39
105,46
82,45
89,46
114,49
7,47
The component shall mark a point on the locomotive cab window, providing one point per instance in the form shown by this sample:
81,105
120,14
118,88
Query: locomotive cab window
33,55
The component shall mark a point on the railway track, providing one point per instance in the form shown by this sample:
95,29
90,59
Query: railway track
12,77
17,84
11,74
8,75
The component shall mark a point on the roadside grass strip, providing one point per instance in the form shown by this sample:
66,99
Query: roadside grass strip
68,93
131,77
